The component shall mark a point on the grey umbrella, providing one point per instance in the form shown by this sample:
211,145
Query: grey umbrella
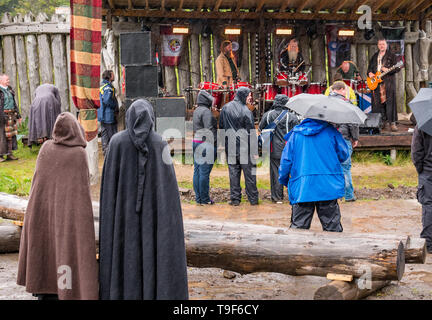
421,106
321,107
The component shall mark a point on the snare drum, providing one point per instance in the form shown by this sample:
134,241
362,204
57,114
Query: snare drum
291,91
362,87
282,79
316,88
233,88
269,91
210,86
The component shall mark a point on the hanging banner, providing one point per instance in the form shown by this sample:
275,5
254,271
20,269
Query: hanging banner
85,60
171,46
338,48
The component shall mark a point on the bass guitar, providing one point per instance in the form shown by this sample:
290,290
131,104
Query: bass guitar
373,82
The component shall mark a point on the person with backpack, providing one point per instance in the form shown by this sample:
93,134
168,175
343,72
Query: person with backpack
277,122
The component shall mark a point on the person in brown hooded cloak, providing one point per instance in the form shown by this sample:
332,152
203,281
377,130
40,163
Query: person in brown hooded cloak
141,242
58,251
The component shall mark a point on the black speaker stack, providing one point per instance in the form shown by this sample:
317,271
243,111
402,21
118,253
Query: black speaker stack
140,80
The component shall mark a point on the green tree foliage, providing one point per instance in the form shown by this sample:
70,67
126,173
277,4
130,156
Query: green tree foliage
35,6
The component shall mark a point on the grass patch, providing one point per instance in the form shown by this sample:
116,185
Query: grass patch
16,176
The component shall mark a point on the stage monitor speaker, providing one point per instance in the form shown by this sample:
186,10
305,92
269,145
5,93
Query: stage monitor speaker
171,117
372,124
141,81
135,48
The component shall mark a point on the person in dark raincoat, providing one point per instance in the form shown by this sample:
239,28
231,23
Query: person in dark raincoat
311,168
421,154
44,110
238,122
142,249
204,146
285,124
57,256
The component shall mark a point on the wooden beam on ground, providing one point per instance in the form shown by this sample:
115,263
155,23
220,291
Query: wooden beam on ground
341,290
340,277
250,15
260,5
10,236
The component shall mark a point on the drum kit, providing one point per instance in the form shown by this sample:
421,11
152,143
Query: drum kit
287,83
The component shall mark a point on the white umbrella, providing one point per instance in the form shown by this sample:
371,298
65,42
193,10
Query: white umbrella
327,108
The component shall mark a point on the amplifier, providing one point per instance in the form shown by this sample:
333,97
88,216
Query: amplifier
140,81
135,48
372,124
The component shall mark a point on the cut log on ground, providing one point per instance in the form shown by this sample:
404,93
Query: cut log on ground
13,208
10,236
341,290
288,254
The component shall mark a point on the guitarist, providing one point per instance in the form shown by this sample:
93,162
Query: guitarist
384,97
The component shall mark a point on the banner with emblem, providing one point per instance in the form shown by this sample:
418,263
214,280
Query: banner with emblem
171,46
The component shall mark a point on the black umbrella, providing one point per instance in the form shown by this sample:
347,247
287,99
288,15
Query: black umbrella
421,106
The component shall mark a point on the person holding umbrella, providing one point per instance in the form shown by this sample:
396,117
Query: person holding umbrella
311,160
421,154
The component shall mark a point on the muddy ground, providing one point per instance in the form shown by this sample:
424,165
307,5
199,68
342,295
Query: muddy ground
391,210
378,216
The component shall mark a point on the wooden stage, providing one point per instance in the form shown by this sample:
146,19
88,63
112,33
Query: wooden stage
385,141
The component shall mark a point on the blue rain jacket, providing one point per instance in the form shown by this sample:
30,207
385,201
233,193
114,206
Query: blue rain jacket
311,162
108,103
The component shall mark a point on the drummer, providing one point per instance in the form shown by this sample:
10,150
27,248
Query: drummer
226,67
291,60
350,93
349,71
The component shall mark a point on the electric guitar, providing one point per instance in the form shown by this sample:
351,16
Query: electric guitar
376,79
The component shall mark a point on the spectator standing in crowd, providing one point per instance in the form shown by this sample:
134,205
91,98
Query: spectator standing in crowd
421,154
141,243
286,120
44,110
108,109
57,256
238,122
350,133
204,146
9,119
311,169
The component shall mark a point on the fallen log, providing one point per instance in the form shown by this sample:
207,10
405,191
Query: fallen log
341,290
10,236
12,207
288,254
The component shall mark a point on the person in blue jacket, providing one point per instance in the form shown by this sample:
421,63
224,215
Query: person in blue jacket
311,169
108,108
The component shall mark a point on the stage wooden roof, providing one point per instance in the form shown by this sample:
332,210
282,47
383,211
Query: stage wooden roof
269,9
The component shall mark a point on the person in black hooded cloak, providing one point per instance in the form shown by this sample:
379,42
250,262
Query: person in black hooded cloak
44,110
141,245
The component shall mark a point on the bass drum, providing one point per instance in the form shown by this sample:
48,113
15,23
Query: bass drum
316,88
291,91
210,86
269,91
